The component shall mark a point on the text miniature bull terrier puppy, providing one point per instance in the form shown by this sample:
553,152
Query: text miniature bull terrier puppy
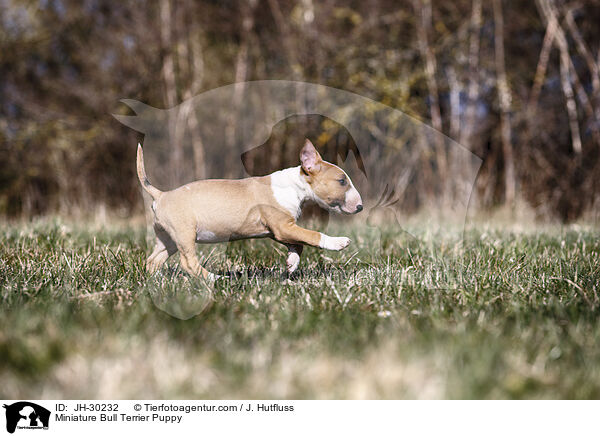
209,211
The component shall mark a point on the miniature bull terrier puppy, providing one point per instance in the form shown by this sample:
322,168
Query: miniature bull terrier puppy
210,211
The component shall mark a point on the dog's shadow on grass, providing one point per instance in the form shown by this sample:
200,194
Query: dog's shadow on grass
260,273
174,273
266,273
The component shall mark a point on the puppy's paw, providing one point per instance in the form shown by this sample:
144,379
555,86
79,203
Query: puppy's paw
212,277
334,242
293,260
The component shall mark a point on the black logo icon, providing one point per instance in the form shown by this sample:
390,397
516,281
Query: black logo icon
26,415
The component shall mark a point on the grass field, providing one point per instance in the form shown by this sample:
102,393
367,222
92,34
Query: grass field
502,313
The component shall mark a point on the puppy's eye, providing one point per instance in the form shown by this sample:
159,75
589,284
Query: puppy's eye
342,182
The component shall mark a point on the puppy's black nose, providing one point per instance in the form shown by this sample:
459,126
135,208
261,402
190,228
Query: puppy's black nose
359,208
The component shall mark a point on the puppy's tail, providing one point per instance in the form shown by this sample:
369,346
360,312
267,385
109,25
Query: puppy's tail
141,171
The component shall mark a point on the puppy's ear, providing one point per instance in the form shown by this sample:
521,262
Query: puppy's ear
310,157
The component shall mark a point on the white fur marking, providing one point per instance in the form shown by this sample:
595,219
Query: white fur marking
352,198
206,236
293,260
290,190
333,242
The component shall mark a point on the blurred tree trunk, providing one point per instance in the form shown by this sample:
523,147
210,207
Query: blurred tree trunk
455,90
168,65
423,24
191,62
183,65
170,84
241,73
504,98
460,164
291,51
473,88
287,39
196,64
567,88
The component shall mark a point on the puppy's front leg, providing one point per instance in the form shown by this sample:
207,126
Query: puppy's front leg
287,231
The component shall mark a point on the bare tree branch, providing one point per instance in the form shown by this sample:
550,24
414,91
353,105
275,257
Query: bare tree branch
550,13
585,52
542,65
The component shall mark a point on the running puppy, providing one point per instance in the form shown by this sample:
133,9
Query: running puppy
209,211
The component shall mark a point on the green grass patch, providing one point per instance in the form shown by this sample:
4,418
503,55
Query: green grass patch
496,314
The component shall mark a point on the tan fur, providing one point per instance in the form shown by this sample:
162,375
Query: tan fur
232,210
325,183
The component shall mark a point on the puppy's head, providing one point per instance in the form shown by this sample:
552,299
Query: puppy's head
332,187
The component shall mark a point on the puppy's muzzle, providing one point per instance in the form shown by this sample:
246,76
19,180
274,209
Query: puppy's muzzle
353,203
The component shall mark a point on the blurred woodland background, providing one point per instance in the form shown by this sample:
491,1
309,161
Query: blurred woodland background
517,82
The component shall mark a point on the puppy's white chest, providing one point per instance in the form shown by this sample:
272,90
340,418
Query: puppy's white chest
288,198
289,190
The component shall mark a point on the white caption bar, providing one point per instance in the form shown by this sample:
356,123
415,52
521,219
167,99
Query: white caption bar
267,417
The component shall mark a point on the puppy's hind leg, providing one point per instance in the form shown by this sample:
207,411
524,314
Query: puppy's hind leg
164,248
189,259
191,264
